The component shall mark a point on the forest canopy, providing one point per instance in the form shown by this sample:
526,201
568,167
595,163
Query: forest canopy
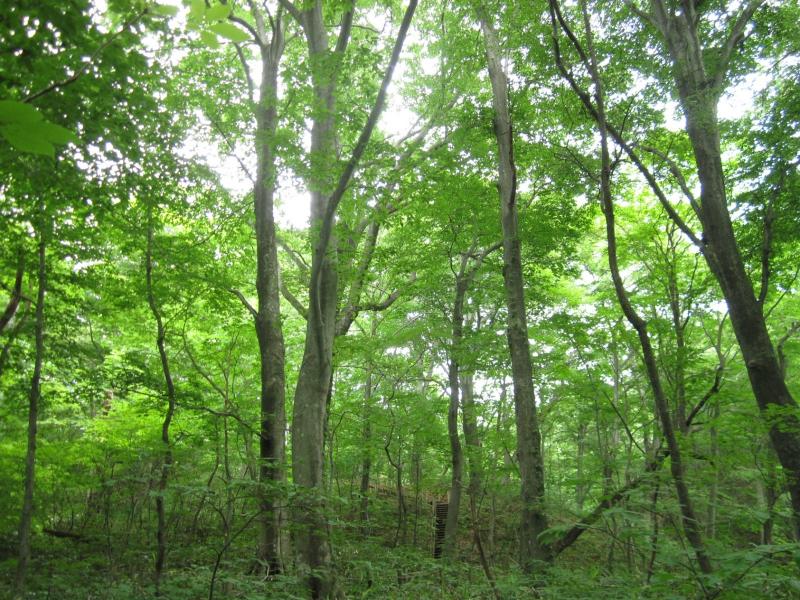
356,299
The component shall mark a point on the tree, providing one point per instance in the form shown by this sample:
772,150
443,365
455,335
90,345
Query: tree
529,453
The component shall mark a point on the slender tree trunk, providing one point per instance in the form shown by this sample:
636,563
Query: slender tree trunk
402,511
691,525
580,484
416,467
167,459
33,414
529,450
268,315
456,466
366,459
653,533
469,422
713,493
456,454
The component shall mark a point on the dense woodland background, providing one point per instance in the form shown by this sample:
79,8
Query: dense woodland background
548,278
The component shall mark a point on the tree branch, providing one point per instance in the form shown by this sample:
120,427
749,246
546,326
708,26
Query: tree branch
557,19
292,10
16,292
677,174
253,312
292,299
326,228
251,90
88,64
736,36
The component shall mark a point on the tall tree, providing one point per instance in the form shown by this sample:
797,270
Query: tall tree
327,191
529,442
167,459
269,40
34,396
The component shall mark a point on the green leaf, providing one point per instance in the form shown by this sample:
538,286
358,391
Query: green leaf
209,39
196,10
230,32
52,133
164,10
19,137
12,111
218,12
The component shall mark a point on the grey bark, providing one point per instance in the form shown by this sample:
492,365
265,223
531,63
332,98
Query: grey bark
456,453
366,459
529,450
313,385
268,315
469,423
463,279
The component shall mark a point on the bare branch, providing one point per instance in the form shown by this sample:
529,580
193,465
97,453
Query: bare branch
326,228
292,299
644,16
292,10
203,373
261,34
16,292
736,35
344,31
615,134
296,257
250,86
253,33
229,144
253,312
677,174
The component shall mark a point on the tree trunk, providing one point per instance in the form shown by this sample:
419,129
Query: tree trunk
313,384
167,460
456,454
366,458
775,402
699,92
713,492
529,451
691,525
469,422
33,414
268,315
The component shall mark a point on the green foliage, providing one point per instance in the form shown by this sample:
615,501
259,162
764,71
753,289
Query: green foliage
27,130
154,124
